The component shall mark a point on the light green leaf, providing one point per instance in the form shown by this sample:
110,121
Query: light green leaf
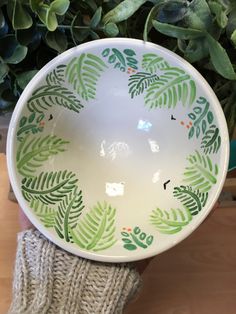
68,213
111,30
21,19
152,63
50,187
83,73
220,14
47,96
96,229
59,7
123,11
220,59
140,81
45,213
192,199
170,222
95,20
32,152
201,173
177,31
173,86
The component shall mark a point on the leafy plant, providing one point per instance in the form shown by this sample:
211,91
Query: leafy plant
170,222
49,187
32,152
45,213
140,81
96,229
201,173
202,31
46,96
83,73
152,63
121,60
136,238
68,213
173,85
192,199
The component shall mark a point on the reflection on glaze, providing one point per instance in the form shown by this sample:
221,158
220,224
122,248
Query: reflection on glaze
115,189
154,146
114,150
144,125
156,176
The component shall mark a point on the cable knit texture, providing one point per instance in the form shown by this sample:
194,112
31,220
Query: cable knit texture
49,280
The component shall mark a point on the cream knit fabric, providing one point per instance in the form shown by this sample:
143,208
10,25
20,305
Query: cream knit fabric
50,280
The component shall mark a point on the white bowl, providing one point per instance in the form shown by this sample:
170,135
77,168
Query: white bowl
117,150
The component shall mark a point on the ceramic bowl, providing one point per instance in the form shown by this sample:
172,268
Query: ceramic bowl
117,150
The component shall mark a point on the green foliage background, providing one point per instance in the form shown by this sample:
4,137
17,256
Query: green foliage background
32,32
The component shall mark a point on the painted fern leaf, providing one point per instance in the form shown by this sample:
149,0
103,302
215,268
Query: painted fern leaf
83,74
30,124
96,229
173,86
152,63
211,140
170,222
49,187
201,173
45,213
57,76
34,151
193,200
68,213
47,96
140,81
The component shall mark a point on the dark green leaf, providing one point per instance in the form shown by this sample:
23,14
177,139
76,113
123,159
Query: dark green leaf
220,59
3,71
95,20
191,132
24,78
210,117
18,55
176,31
204,125
151,16
57,40
21,18
172,11
197,110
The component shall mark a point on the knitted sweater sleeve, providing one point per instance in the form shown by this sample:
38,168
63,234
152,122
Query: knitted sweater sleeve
49,280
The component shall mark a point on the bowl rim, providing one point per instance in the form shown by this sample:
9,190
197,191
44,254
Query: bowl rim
11,157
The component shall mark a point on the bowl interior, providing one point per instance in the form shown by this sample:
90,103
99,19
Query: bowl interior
117,150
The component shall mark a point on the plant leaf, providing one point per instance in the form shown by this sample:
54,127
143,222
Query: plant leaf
24,78
140,81
136,238
83,74
211,141
46,96
174,85
45,213
123,11
177,31
170,222
21,19
34,151
111,30
192,199
57,40
49,187
95,20
96,229
68,213
152,63
220,59
201,172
